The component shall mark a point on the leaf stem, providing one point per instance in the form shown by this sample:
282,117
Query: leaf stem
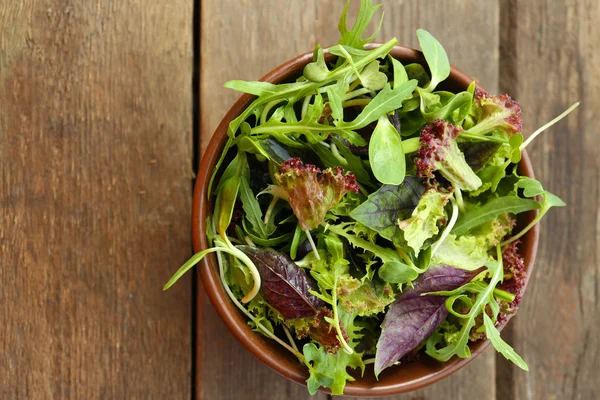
265,111
305,104
356,102
355,93
547,125
312,244
336,318
289,336
270,209
459,199
448,228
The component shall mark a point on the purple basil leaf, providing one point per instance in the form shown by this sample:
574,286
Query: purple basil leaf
412,317
440,278
284,284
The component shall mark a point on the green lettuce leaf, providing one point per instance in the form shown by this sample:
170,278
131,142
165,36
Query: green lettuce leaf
424,221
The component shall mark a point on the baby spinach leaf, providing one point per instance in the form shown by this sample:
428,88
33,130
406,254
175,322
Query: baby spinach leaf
385,153
417,71
285,285
397,272
490,210
400,75
436,57
382,210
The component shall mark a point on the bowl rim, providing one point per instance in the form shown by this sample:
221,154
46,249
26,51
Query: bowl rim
268,351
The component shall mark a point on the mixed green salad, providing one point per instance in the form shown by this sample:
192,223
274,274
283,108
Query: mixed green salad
364,215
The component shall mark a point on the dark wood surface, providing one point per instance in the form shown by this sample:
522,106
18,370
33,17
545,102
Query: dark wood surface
97,158
95,198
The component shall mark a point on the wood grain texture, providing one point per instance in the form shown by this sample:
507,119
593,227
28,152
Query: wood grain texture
552,58
267,33
95,198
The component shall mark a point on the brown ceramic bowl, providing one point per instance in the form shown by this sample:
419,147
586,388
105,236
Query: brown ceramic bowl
394,380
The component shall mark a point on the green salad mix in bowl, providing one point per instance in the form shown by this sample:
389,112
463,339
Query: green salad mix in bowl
362,215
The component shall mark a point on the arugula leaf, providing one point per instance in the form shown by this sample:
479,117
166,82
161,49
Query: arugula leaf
382,210
386,154
270,149
387,100
354,163
291,92
500,345
549,200
490,210
436,57
252,211
364,16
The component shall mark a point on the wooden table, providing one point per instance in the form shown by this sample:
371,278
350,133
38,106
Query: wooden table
105,107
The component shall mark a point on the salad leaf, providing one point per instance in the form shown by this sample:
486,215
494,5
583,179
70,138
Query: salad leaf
496,114
285,285
386,154
253,212
424,220
317,70
500,345
490,210
440,152
363,298
329,369
412,317
436,57
310,191
354,37
478,154
397,272
382,210
466,252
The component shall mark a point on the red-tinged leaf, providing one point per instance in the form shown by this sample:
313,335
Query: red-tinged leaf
412,317
284,284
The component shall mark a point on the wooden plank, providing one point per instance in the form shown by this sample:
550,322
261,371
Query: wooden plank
268,33
95,198
552,57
